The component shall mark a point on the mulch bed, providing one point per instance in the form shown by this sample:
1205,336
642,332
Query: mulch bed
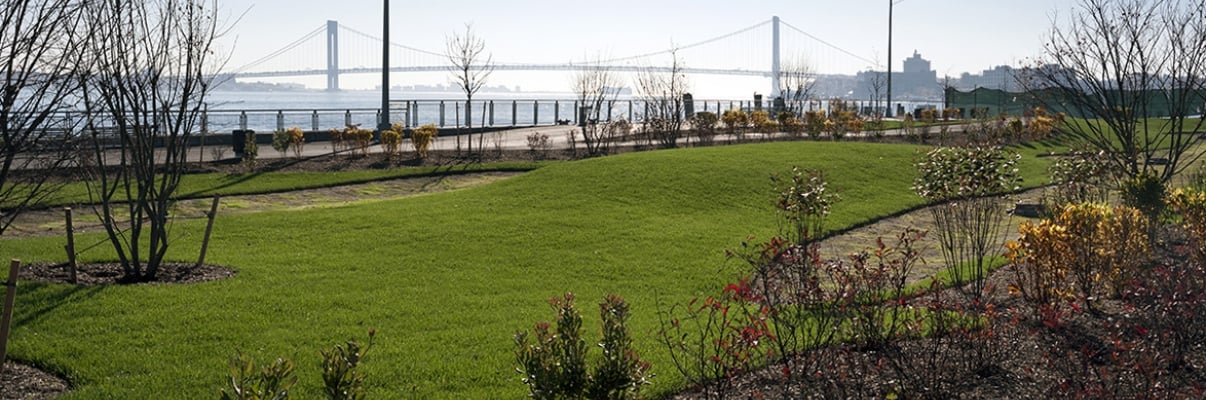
1080,354
111,273
19,381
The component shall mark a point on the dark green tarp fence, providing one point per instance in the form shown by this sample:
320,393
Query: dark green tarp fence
996,102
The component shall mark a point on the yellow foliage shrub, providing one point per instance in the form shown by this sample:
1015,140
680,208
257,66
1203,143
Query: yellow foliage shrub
1067,256
422,138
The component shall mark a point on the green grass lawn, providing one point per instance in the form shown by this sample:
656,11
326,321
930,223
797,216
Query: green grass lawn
446,279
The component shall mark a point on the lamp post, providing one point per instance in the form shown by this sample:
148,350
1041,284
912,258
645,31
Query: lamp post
383,124
891,3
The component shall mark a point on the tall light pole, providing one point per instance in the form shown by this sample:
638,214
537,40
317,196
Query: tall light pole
891,3
383,124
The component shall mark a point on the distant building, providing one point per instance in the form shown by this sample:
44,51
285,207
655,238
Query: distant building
1001,77
917,81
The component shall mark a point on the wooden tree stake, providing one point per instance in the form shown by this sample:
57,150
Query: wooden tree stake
10,296
71,264
209,228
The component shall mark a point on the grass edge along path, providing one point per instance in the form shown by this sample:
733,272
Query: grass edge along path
445,279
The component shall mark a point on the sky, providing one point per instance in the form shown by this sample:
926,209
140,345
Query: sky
955,35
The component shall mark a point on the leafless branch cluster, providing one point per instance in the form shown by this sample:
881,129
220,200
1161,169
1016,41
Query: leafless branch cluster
664,106
149,68
596,89
1136,70
470,67
37,69
798,79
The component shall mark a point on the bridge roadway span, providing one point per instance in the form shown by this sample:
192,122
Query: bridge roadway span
509,67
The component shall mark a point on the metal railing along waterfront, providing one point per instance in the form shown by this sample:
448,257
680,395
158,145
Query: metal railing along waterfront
443,114
414,113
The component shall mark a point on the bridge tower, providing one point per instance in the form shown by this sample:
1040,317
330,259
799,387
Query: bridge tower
332,55
775,75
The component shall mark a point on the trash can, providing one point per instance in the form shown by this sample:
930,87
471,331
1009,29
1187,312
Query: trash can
238,140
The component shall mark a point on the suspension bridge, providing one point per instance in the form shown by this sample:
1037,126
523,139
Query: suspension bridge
756,50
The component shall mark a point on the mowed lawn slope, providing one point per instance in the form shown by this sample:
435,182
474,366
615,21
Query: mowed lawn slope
445,279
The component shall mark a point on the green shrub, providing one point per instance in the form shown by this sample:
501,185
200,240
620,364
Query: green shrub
970,181
341,377
554,365
272,382
1081,176
251,151
705,126
1145,192
281,141
803,199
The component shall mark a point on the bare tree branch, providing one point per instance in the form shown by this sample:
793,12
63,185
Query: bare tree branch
470,67
663,97
1134,70
38,59
150,68
596,88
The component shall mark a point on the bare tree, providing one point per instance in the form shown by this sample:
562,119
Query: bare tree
37,67
1135,70
596,88
876,83
470,67
150,67
798,80
662,93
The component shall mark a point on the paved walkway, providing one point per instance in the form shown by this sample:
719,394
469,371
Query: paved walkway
508,139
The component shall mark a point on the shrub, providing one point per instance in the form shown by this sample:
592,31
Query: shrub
950,113
338,140
1190,205
538,145
761,121
803,200
341,376
422,138
735,120
792,126
970,181
713,340
1041,124
280,141
251,151
814,123
1081,176
361,138
1145,192
1064,257
705,126
391,142
297,141
272,382
909,126
554,365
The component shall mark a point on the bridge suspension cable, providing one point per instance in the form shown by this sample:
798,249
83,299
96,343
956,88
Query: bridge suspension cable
831,45
401,46
283,50
696,44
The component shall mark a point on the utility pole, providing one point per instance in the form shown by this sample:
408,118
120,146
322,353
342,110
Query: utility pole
383,123
889,111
